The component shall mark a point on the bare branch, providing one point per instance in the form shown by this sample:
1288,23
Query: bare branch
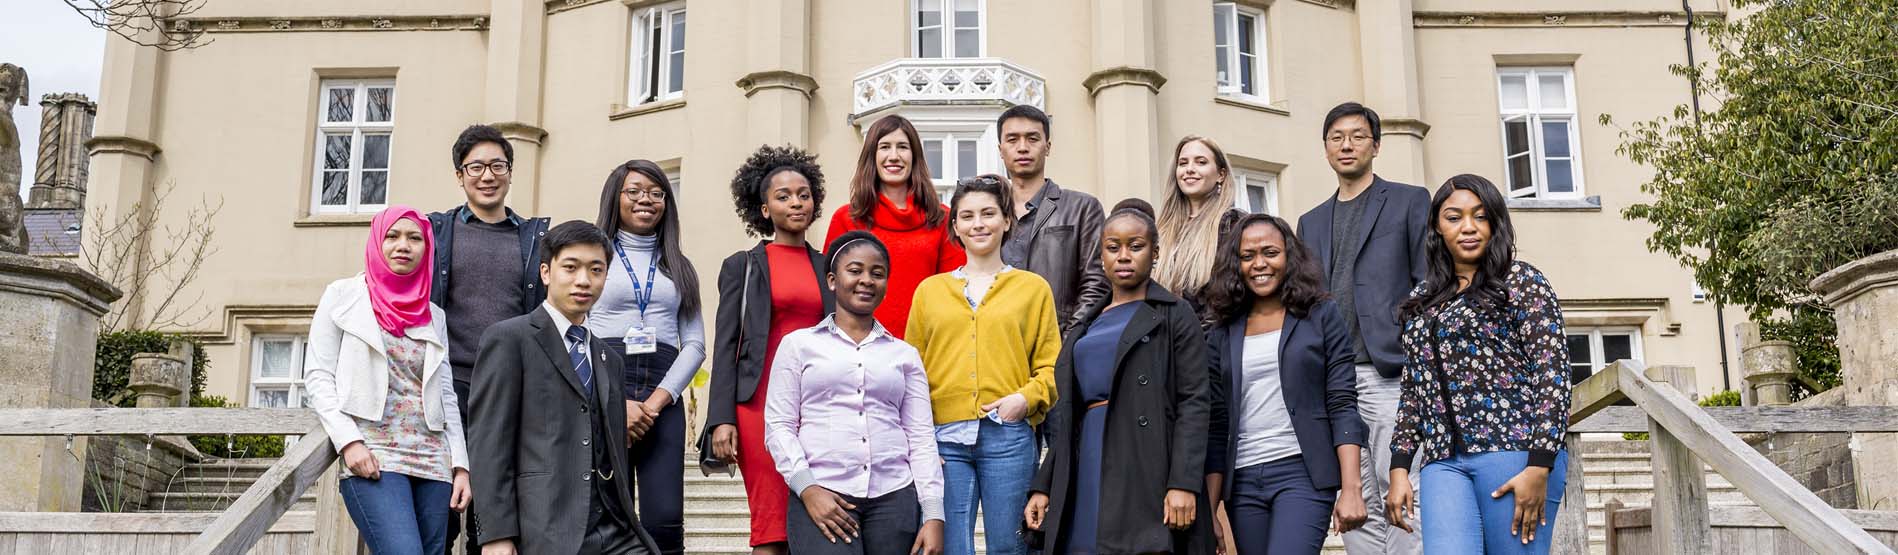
143,22
139,255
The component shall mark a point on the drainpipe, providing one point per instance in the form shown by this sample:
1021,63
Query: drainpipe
1719,306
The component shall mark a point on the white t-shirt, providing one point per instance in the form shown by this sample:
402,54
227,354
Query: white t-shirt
1265,426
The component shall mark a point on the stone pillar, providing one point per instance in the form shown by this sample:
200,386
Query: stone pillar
1863,295
1387,44
158,379
516,48
47,344
1125,86
123,147
777,83
1768,367
65,126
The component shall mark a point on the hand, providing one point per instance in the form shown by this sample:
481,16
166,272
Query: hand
1179,509
1349,513
1036,510
360,462
637,421
498,547
1012,408
928,540
463,494
1397,503
1531,488
725,442
658,401
831,513
1219,535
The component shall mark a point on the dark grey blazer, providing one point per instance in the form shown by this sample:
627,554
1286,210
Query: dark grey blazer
1390,263
741,330
1317,379
529,436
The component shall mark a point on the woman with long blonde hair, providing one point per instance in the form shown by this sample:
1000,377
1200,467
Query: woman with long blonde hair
1198,209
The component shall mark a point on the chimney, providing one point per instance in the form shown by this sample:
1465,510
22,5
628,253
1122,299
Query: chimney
65,124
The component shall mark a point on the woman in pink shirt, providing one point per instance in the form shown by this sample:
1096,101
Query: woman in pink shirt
848,423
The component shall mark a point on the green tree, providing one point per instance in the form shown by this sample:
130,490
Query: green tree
1795,172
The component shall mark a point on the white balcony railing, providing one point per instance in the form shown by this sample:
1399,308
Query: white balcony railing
946,81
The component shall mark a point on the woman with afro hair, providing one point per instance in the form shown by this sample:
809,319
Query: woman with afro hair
764,293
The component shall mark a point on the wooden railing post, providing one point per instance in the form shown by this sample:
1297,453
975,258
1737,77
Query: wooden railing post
1571,520
335,533
1680,516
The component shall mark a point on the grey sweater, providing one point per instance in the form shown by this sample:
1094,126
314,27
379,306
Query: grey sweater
618,311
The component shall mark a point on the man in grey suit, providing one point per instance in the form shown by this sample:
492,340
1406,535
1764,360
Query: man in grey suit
1369,236
549,419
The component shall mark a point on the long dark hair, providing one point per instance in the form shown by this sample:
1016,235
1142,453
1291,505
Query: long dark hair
864,184
1440,282
671,261
1226,293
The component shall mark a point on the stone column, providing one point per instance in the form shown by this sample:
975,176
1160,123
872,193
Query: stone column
516,48
1125,87
1769,367
1863,295
123,147
1387,44
65,126
157,379
47,344
777,83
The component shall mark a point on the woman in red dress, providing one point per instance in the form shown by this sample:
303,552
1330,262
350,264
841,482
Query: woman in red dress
764,293
892,197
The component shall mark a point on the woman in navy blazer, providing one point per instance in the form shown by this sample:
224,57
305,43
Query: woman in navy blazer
1285,425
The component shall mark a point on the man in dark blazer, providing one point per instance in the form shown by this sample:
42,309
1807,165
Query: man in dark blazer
1369,238
549,419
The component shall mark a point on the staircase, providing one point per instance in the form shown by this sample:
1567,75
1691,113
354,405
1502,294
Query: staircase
213,485
1621,470
717,519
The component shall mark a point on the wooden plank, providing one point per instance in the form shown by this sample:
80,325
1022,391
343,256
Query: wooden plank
335,533
1680,486
1571,518
1741,420
1801,511
194,421
238,527
1608,530
1599,391
133,523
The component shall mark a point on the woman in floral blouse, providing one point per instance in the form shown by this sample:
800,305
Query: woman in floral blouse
1486,386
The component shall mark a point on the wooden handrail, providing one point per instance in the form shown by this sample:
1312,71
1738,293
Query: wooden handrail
240,526
164,422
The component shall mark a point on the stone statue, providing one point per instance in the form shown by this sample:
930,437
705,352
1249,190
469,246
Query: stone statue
12,208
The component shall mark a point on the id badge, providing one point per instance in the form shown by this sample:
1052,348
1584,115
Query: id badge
642,340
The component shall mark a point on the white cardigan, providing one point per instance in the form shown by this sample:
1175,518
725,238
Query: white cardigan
346,369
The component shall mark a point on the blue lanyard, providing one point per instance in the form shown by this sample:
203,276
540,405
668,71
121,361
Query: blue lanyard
641,296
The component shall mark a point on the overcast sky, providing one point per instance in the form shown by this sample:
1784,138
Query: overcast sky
60,52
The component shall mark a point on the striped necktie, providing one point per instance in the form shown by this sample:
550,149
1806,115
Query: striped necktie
577,352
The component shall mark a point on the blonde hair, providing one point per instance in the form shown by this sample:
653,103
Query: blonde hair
1190,243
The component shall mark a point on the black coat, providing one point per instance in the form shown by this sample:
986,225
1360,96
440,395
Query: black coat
1390,261
529,435
1155,437
739,339
1317,377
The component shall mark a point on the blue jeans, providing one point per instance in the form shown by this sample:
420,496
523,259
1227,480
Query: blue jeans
1275,509
1459,516
399,515
994,474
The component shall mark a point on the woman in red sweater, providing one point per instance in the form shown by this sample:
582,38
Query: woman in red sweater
891,196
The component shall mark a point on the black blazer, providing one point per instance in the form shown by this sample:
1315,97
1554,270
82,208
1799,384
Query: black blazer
739,340
1156,427
1318,378
1390,261
529,426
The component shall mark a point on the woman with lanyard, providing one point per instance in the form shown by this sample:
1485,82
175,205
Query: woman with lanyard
648,312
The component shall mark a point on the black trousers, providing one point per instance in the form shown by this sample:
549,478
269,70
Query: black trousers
454,521
658,459
606,533
888,525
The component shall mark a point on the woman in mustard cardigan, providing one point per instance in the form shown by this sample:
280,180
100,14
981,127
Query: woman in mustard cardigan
988,339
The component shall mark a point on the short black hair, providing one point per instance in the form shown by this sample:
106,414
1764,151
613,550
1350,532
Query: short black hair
477,134
1027,112
1349,109
856,239
567,234
748,185
1138,209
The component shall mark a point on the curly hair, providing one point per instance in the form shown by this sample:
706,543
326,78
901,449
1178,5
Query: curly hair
748,184
1227,295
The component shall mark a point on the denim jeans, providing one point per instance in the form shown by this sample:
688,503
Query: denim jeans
1459,516
399,515
1275,509
994,475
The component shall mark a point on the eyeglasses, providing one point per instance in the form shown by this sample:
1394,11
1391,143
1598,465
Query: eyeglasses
475,168
633,195
1355,139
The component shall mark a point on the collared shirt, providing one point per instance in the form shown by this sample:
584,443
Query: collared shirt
1017,246
561,324
852,416
464,214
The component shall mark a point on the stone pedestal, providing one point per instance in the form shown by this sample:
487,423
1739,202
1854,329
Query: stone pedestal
158,379
47,343
1864,297
1768,367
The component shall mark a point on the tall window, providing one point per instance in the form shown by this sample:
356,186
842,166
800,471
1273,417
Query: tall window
1591,349
276,371
947,28
1539,134
951,156
658,70
355,121
1258,191
1238,50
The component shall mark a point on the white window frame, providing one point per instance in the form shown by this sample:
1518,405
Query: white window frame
1534,115
952,159
1246,179
1596,352
643,62
947,29
292,384
1234,58
357,128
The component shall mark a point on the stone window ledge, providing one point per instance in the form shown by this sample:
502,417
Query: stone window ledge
1585,204
623,111
1249,104
334,220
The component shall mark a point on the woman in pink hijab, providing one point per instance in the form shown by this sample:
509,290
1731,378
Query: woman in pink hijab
378,377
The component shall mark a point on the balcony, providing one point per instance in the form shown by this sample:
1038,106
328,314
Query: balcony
987,83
